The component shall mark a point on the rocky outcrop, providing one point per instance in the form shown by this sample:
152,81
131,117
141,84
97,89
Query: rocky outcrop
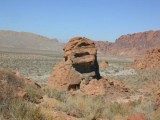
79,71
150,61
95,88
131,44
79,65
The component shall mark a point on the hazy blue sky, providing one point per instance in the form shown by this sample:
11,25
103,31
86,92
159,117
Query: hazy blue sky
95,19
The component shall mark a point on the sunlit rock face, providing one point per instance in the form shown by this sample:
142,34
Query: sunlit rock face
79,65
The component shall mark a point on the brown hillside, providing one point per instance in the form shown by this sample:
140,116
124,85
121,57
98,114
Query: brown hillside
103,46
132,44
11,41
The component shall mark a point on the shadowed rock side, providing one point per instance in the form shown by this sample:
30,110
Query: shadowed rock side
151,60
79,65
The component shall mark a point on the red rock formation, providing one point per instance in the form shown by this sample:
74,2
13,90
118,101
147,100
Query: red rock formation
79,71
103,46
95,87
131,44
150,61
80,64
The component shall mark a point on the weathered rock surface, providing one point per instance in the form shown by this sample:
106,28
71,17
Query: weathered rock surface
150,61
95,88
80,64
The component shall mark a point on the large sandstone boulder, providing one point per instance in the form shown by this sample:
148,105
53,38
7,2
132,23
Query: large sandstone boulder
79,64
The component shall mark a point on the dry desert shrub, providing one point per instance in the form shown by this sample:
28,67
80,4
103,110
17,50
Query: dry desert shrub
22,110
34,94
91,108
82,106
14,108
57,94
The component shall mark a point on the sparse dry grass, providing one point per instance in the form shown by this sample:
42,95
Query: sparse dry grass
85,107
15,108
81,106
38,67
56,94
22,110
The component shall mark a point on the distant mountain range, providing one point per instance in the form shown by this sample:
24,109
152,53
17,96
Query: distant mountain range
131,44
27,42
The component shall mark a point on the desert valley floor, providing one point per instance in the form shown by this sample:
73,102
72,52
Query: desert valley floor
142,85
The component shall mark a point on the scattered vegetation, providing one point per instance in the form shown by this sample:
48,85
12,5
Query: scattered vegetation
12,107
82,106
38,67
34,94
58,95
22,110
35,66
